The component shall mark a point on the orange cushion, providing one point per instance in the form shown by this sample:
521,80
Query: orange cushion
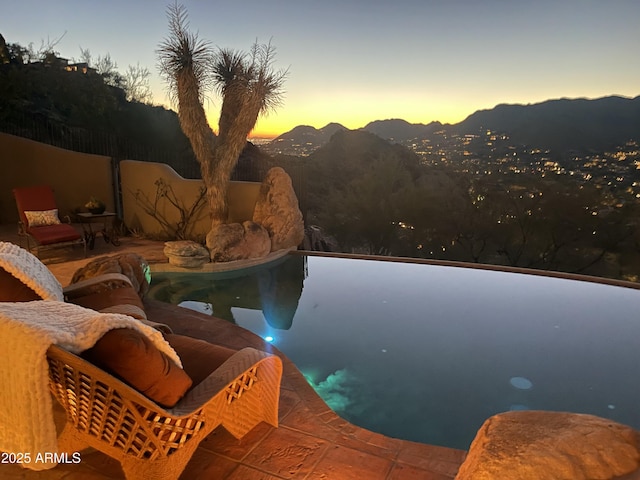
109,298
13,290
131,356
199,358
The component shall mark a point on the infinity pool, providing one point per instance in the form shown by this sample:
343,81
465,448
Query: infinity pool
426,352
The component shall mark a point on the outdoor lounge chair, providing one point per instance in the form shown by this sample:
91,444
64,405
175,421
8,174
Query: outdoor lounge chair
151,430
39,221
149,441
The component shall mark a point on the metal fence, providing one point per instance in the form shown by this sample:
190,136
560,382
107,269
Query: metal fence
77,139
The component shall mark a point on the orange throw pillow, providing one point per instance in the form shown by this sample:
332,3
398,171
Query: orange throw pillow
109,298
199,358
131,356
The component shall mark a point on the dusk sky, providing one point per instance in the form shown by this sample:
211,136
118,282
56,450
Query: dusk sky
357,61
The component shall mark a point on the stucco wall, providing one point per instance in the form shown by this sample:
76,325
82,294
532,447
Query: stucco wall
73,176
138,179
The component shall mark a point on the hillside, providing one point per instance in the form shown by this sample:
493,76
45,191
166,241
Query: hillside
347,156
79,111
401,130
302,140
559,125
562,125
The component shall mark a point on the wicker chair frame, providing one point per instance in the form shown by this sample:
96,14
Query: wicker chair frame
149,441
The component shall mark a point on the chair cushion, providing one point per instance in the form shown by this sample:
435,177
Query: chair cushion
110,298
62,232
34,198
42,218
199,358
13,290
131,356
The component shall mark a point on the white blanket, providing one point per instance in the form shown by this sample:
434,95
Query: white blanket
27,329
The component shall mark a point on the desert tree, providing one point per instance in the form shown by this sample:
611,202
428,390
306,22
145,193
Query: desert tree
105,66
136,84
248,85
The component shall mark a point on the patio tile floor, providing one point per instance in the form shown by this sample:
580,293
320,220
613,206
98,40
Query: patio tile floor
311,443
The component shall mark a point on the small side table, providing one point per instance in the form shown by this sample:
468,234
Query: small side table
106,220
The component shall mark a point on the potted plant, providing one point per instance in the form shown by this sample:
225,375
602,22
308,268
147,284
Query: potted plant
95,206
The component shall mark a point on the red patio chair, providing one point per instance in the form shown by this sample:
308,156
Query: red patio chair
39,220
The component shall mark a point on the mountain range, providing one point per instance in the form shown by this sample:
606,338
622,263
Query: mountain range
561,126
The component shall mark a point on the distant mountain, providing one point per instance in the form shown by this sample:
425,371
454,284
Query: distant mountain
303,139
559,125
562,125
401,130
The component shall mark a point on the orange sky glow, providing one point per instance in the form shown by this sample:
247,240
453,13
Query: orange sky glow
364,60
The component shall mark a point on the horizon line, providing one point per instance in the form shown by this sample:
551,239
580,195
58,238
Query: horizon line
271,136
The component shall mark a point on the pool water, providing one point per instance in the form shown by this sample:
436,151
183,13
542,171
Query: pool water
427,353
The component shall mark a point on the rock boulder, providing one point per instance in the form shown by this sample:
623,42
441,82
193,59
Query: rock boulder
278,212
535,445
186,253
238,241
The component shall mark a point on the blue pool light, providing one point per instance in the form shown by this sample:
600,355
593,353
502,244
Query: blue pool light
268,338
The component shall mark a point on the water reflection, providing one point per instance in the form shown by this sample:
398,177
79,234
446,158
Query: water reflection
274,289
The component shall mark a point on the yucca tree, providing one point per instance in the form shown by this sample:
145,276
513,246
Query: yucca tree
248,84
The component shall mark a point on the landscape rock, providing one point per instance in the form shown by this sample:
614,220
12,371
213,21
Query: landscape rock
316,240
185,248
238,241
131,265
186,253
536,445
278,212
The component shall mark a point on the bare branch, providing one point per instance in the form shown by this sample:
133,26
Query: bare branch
183,228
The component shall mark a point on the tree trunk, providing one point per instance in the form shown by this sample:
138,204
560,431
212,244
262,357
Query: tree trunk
237,117
217,156
193,121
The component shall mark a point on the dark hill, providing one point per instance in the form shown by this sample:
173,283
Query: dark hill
346,156
356,148
331,128
81,112
400,130
303,139
562,125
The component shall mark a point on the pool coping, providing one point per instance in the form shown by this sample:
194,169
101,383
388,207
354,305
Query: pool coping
477,266
213,267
